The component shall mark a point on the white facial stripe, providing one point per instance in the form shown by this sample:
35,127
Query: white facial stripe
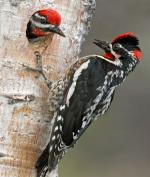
75,78
114,53
132,54
40,25
39,16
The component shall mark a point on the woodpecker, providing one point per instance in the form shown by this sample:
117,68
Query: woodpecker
85,93
42,23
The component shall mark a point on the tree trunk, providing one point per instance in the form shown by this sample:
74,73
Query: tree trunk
24,119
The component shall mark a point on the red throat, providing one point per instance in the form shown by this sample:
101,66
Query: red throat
38,32
52,16
109,56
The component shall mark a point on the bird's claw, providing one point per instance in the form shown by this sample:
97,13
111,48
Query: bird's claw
39,68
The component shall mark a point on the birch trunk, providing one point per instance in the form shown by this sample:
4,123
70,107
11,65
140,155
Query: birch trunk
24,119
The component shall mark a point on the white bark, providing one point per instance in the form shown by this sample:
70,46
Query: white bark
25,125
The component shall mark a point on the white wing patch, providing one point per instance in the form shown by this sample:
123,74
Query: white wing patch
56,128
75,78
97,100
62,107
59,118
51,148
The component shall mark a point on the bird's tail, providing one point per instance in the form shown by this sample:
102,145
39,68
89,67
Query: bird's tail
42,163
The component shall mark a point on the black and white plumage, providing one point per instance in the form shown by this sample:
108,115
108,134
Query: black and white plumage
84,94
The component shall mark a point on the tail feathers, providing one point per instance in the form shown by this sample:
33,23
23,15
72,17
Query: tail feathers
52,161
43,172
42,163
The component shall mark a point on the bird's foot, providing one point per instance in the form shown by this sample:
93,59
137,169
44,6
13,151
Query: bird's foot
39,68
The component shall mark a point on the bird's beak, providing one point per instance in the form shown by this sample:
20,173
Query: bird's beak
103,45
97,42
108,56
57,30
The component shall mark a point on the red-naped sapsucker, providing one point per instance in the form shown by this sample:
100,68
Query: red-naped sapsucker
42,23
85,93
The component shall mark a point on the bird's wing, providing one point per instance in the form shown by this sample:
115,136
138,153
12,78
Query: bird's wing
80,98
74,114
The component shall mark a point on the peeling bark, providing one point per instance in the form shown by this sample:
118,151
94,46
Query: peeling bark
24,117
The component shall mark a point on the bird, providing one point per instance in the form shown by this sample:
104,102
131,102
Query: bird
85,93
42,23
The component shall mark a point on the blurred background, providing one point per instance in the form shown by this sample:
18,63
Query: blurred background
118,145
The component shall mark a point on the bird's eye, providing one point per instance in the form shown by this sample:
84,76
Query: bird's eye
38,18
44,21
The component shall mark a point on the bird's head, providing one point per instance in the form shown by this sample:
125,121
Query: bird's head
127,40
44,22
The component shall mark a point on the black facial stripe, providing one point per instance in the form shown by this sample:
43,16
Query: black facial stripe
130,47
44,27
38,18
37,21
